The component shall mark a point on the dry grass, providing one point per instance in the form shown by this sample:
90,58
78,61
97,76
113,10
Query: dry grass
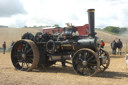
108,38
56,75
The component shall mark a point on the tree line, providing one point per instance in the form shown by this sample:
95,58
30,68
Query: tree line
114,29
55,25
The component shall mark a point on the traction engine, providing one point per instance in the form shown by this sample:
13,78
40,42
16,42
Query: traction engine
46,49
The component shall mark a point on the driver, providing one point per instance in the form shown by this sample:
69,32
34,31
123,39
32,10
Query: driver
72,28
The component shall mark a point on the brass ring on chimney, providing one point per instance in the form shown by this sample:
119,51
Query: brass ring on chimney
91,10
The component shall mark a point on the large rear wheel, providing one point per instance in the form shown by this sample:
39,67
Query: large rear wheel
25,55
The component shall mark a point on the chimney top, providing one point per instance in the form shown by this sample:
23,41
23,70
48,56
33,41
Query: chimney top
91,10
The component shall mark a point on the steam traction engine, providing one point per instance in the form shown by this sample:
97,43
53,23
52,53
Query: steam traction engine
45,50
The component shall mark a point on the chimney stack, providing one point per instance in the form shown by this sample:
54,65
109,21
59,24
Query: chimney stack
91,18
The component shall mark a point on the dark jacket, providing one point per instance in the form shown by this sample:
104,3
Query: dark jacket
4,46
113,45
119,44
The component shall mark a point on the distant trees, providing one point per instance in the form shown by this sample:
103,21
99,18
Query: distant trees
25,26
115,29
3,26
55,25
36,26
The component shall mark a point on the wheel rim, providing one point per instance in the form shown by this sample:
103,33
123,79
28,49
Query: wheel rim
105,65
25,55
86,62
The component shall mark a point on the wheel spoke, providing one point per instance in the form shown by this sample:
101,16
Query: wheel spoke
29,60
90,58
25,49
85,56
22,47
92,61
19,61
91,64
23,65
80,57
30,49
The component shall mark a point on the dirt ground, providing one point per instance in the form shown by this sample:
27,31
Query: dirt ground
116,74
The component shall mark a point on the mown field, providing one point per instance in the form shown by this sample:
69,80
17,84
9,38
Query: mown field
116,74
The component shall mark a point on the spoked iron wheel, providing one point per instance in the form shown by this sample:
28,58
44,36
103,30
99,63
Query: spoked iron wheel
106,61
86,62
25,55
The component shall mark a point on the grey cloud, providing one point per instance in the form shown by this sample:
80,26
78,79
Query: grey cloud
11,7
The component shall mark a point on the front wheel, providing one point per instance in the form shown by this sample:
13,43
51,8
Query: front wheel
86,62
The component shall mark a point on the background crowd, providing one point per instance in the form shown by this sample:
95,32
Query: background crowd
116,45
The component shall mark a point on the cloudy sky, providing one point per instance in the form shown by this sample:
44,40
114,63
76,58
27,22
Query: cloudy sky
19,13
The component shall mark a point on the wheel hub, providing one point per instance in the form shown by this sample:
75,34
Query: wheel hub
23,56
84,63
